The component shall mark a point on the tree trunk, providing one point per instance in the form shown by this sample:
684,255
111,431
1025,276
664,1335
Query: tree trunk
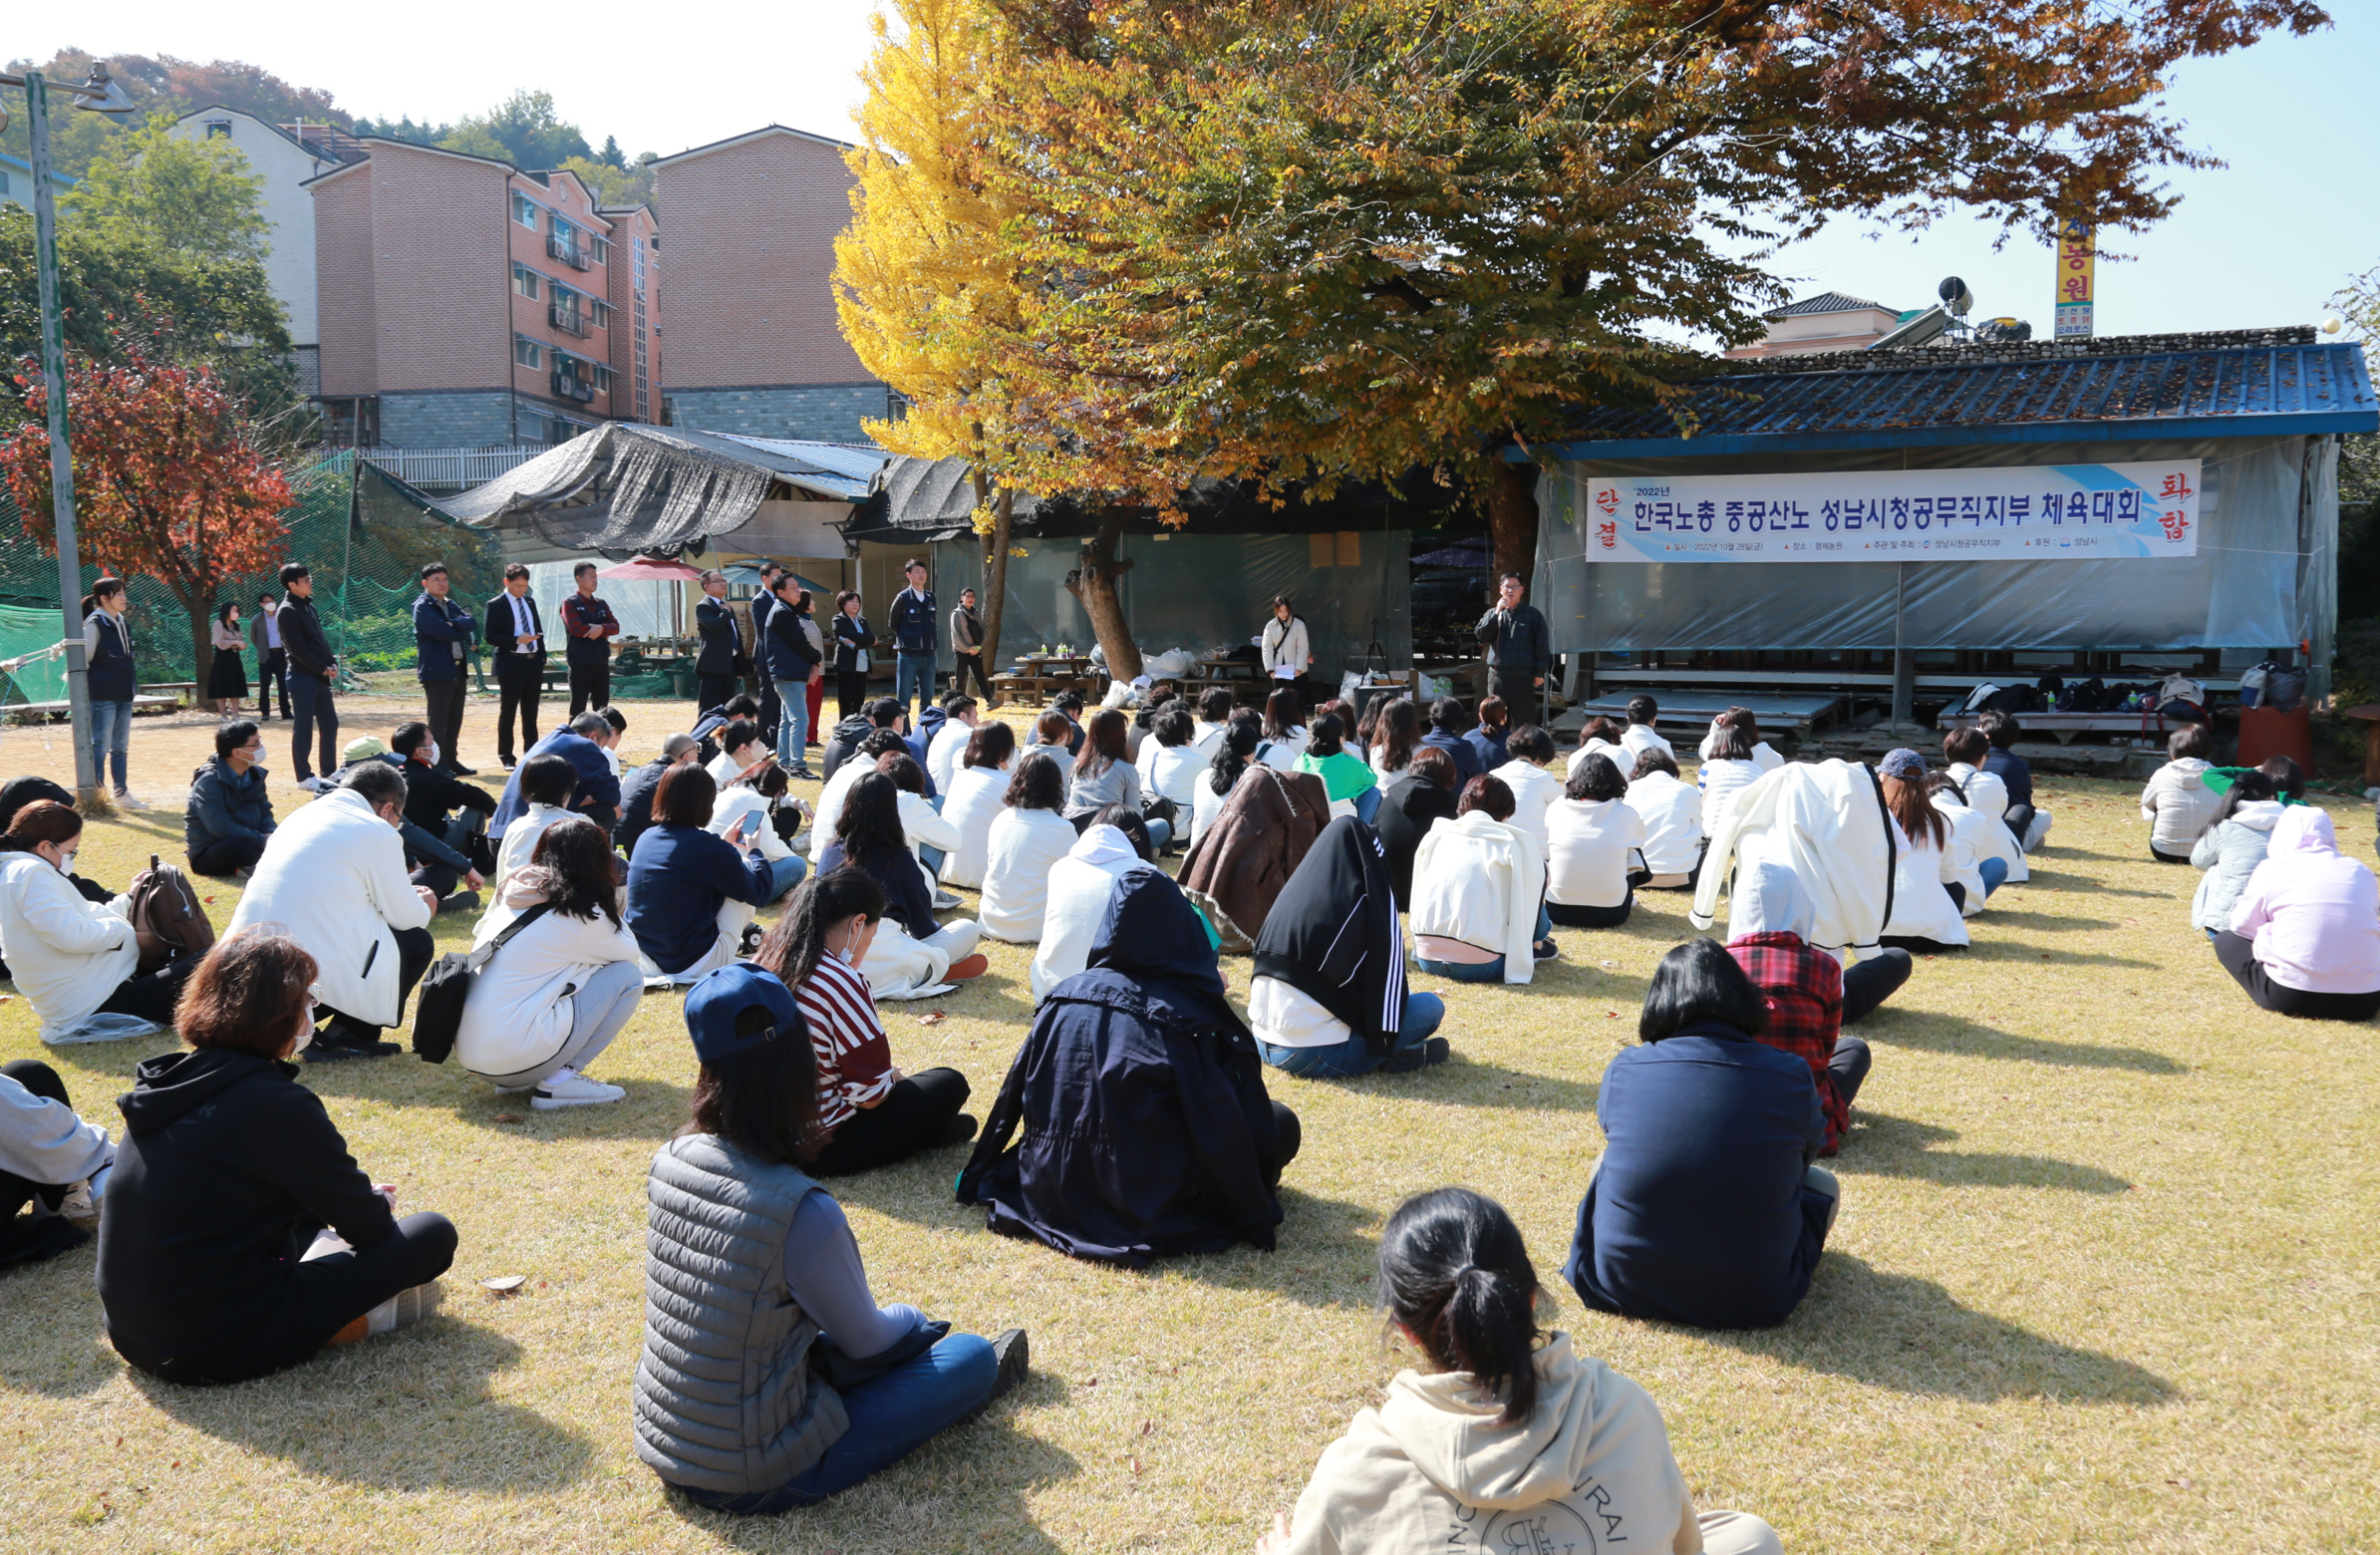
198,604
1093,585
1512,521
996,574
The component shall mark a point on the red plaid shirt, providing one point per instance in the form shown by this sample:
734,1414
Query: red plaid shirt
1805,1011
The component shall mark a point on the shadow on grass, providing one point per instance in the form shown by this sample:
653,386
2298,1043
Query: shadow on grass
2039,922
1949,1033
652,1109
1468,1081
1881,1145
2014,951
51,1312
2065,883
1911,1336
405,1412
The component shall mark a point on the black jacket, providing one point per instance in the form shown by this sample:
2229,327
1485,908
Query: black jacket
503,632
845,741
1332,934
1517,640
1408,810
724,650
636,802
301,638
432,794
227,1168
850,637
790,655
224,805
1140,1099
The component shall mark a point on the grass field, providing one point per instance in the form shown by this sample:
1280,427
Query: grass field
2105,1276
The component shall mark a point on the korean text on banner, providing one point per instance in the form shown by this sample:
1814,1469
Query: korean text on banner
2077,275
2014,512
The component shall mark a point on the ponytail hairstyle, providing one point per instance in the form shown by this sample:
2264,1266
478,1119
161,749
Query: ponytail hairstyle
2247,788
1232,754
1455,1274
2288,782
1323,740
798,940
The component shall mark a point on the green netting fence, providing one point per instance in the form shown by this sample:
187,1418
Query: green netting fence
364,535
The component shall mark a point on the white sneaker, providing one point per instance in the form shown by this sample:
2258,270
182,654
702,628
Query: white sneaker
567,1088
310,785
130,802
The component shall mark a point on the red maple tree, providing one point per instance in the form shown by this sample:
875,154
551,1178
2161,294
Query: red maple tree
167,481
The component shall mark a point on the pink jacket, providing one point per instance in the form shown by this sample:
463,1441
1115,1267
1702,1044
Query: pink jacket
2314,916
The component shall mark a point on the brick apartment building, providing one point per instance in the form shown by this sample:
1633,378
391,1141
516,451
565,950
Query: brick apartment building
755,347
465,303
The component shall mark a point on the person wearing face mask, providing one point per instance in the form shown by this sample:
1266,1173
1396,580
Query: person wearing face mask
333,877
240,1237
228,816
870,1113
71,957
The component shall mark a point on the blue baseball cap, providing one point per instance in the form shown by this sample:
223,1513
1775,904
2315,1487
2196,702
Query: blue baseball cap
715,1005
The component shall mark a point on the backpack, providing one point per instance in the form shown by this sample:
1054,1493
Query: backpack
2018,698
167,922
437,1002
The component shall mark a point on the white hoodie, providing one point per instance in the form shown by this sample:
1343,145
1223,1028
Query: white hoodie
1479,881
519,1014
2179,805
1825,821
66,954
1081,886
1433,1470
2313,914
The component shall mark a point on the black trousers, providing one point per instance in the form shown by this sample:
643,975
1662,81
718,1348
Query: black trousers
850,690
590,687
1570,916
315,711
152,994
1526,699
2020,821
461,833
1872,981
320,1297
272,669
2166,859
219,858
445,700
1287,1136
1918,943
971,664
772,710
16,1192
520,680
1849,1066
2237,954
414,951
713,690
910,1119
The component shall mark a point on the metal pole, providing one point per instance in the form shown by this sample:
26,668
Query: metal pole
62,464
1904,672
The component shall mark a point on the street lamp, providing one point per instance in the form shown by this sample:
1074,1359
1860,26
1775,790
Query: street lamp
100,95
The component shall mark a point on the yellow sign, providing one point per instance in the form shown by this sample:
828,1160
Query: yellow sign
2077,265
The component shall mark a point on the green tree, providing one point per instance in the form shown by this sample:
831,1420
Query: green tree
158,83
632,186
190,196
522,131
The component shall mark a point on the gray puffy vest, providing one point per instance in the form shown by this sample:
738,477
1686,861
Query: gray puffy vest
724,1395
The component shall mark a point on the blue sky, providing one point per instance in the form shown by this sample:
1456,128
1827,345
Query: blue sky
2263,241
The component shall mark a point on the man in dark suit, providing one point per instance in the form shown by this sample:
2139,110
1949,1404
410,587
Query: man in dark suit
518,636
443,632
311,667
726,654
763,606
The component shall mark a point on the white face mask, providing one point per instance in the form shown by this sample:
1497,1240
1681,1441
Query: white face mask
65,860
305,1035
429,754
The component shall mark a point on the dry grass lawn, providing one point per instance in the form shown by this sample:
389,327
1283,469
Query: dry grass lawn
2105,1276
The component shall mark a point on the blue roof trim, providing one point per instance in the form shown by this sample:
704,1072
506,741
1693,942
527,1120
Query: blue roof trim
2186,391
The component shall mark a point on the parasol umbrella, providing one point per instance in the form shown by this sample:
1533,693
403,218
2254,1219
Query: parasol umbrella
650,567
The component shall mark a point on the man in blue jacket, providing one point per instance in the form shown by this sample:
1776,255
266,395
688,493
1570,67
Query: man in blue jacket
1520,650
795,658
581,745
228,816
443,632
913,639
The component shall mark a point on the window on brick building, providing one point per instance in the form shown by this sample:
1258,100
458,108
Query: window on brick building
603,251
527,352
525,281
603,312
603,377
525,211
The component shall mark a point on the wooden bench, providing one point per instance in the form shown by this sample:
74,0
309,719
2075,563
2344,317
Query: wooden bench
1691,712
50,711
2146,724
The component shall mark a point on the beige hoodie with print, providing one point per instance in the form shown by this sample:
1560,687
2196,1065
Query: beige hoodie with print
1590,1473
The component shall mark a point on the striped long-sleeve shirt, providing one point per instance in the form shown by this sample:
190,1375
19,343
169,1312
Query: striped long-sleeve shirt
854,1054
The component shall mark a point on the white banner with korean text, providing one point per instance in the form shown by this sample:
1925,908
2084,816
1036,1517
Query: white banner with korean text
2012,512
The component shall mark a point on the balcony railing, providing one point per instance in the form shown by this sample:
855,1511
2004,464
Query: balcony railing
450,467
567,250
571,387
568,320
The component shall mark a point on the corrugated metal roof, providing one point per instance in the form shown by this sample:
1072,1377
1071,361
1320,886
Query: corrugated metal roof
841,472
2025,394
1826,302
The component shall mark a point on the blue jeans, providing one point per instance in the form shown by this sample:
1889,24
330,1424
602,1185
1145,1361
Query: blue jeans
913,668
1491,971
932,857
1995,874
111,735
1423,1013
891,1417
1160,832
793,722
785,875
1368,804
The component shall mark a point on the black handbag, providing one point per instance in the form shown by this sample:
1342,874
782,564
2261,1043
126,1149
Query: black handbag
437,1002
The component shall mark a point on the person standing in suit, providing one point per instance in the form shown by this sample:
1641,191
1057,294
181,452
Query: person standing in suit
443,636
272,665
311,665
519,638
590,626
765,605
852,640
725,653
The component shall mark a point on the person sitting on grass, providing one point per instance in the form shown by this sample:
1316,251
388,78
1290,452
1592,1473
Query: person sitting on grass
1673,811
880,714
1171,762
228,816
1732,762
1396,736
1418,800
1975,872
51,1161
931,838
740,749
1479,888
1811,996
1216,705
1051,731
1926,892
239,1236
1641,736
1448,724
975,796
2232,846
1707,1207
1529,775
333,878
1347,779
771,1379
691,895
2177,803
711,720
1282,734
1140,1099
871,1115
1595,851
547,785
1598,734
1488,740
636,789
2028,825
1081,884
1329,997
1028,838
1965,750
555,993
911,952
1104,775
1227,761
587,745
2304,936
1507,1439
755,804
